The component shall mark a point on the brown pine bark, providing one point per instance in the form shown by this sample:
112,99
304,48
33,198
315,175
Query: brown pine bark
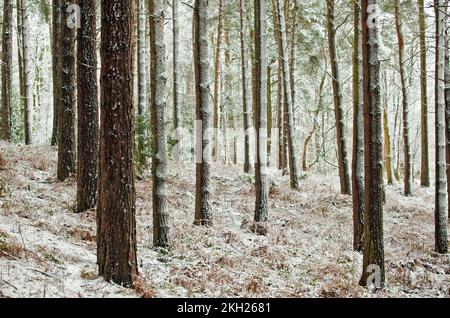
27,97
158,110
373,261
116,223
87,107
344,173
246,105
203,208
56,31
66,121
425,160
7,70
358,134
262,191
216,105
176,85
405,103
289,111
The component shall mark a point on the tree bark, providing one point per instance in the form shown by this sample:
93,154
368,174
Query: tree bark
216,106
158,109
387,135
358,133
56,31
116,233
373,260
7,70
87,107
344,173
142,87
289,111
262,196
406,140
441,240
247,109
26,72
176,92
203,213
425,160
66,121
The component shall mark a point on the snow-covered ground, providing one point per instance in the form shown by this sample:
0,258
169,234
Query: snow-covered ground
46,250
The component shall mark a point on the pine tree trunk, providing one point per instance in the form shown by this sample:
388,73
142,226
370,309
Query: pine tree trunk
247,109
176,89
269,112
289,111
216,107
405,103
203,213
158,109
425,164
7,70
373,261
87,107
26,72
262,196
344,173
358,134
20,59
441,239
116,233
142,86
387,135
56,31
66,121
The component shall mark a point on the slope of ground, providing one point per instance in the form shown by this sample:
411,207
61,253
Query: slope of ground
46,250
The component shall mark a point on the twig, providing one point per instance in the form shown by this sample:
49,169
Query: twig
23,243
41,272
9,255
8,283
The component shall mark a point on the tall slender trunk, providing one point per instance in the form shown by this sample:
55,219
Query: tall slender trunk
387,135
87,107
344,173
176,89
216,106
262,190
26,72
66,121
269,112
203,208
246,105
158,109
405,102
447,110
142,87
441,239
289,111
7,70
425,160
373,261
56,58
358,133
116,221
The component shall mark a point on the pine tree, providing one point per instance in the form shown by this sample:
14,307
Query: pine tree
87,107
158,110
203,213
66,113
6,133
116,222
262,196
373,261
338,102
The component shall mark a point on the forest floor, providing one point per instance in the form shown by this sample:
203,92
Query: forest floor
46,250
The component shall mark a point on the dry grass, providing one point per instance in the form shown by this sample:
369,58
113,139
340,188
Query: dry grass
305,250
